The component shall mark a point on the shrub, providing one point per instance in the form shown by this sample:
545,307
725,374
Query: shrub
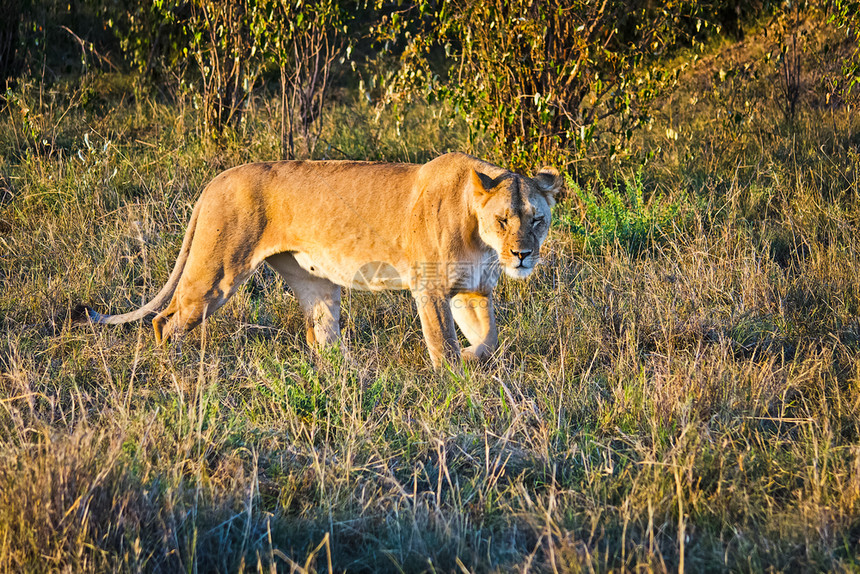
609,214
539,77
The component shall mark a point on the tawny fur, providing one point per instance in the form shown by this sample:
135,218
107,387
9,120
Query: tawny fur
444,230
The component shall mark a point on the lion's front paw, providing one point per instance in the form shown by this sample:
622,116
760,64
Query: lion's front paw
473,354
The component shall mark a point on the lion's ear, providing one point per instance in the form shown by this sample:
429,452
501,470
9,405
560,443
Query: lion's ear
482,185
548,181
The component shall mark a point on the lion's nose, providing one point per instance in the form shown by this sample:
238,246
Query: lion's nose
521,254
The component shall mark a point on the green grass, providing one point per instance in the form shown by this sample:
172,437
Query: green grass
678,384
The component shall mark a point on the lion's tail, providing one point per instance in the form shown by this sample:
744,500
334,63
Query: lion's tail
161,299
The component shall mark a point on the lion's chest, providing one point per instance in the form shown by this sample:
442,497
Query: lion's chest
480,272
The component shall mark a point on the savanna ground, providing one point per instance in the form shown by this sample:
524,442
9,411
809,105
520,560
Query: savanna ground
678,385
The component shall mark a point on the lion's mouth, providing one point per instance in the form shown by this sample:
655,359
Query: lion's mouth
518,269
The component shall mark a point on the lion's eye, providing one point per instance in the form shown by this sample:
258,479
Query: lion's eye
503,221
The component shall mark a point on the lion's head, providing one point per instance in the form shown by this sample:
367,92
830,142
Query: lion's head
514,214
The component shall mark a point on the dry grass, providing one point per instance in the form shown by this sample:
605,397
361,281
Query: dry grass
691,405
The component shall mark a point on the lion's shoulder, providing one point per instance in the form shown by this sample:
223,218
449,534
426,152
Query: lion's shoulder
450,172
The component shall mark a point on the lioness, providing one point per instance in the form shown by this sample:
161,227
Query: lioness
443,230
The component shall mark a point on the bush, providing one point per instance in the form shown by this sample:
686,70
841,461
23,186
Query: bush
231,45
540,78
620,214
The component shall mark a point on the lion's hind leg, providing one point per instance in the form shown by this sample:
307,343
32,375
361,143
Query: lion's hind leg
319,299
194,301
184,315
